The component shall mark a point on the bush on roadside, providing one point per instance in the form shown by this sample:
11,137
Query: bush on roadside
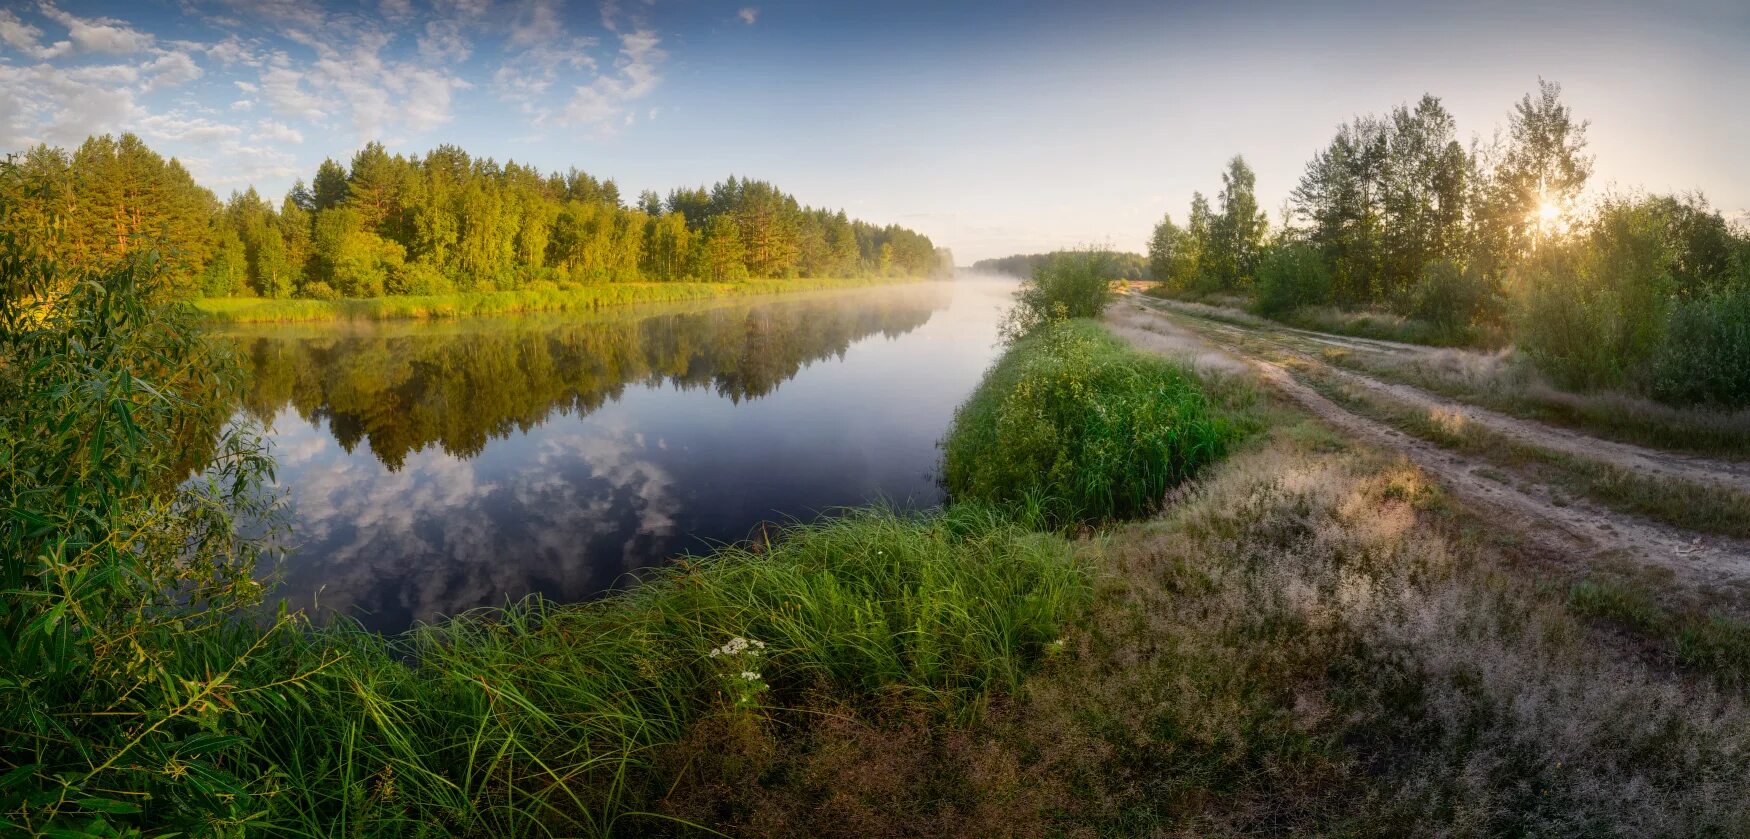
1705,357
1071,284
1454,300
1291,277
1074,424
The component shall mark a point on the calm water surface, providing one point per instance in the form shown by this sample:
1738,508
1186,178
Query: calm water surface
435,467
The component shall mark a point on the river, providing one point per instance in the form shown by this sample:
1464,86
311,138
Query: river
433,467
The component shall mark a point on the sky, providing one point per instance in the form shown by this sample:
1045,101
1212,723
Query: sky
992,127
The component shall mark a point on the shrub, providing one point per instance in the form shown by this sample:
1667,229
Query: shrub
128,638
1290,277
419,278
1077,425
1705,357
1070,284
1452,299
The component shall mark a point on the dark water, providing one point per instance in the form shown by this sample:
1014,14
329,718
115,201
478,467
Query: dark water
431,468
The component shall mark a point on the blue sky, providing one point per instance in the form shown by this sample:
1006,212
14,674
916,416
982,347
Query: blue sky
992,127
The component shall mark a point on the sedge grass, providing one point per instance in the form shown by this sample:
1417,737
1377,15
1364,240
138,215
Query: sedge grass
543,718
1073,420
545,298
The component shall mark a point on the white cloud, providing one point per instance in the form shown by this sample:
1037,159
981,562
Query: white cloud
104,35
605,101
277,132
283,89
171,69
443,42
176,127
45,104
17,34
748,15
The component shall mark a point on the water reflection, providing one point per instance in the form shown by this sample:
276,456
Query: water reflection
436,467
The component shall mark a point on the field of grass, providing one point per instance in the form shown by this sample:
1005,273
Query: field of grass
543,299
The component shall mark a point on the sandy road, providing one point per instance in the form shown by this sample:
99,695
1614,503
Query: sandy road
1537,515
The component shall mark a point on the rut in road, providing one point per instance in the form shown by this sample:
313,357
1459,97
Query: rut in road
1571,529
1661,464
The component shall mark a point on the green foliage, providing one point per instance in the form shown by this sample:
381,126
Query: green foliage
1071,284
1705,356
1452,299
481,225
544,718
1074,423
1643,299
322,303
127,648
1290,277
1122,264
1236,232
1173,256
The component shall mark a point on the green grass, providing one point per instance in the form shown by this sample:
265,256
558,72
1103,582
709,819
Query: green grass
1075,422
542,299
544,718
1709,642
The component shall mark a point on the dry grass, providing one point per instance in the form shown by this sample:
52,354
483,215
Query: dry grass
1312,642
1505,382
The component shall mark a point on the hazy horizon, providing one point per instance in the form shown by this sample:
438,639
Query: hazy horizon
992,128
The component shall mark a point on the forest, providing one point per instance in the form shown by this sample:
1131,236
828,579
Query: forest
444,222
1492,243
1124,265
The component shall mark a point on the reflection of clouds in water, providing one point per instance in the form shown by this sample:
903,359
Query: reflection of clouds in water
616,463
435,537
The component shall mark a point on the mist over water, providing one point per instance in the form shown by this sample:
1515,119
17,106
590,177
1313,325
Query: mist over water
436,467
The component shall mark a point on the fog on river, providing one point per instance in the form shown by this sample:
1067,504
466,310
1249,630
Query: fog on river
433,467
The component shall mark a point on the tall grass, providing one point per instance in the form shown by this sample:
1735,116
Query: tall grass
540,298
544,718
1078,425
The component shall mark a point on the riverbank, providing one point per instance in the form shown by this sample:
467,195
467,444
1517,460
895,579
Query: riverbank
543,299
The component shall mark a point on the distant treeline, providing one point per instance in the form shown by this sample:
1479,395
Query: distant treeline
433,224
1647,293
1125,265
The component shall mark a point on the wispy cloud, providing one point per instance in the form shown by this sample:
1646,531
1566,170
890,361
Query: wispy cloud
748,15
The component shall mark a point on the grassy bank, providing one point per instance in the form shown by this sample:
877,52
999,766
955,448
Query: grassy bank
543,299
547,718
1074,423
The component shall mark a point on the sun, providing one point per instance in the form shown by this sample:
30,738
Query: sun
1548,212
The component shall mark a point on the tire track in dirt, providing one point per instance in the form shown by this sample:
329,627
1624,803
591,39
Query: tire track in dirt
1528,509
1662,464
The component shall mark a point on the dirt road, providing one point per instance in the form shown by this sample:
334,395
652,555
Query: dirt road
1566,527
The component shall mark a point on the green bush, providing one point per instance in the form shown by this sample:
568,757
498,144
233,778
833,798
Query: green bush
128,630
1450,298
1069,284
1290,277
1705,357
1075,424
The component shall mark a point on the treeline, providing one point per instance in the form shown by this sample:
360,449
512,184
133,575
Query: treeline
1646,293
433,224
1125,265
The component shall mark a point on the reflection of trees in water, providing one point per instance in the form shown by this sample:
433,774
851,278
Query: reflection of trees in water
459,389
